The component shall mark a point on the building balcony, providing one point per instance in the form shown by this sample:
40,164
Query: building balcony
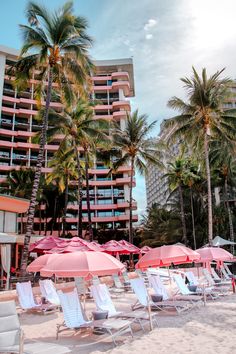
29,101
125,105
123,205
124,85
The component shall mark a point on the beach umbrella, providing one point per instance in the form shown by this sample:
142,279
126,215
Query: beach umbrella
76,244
129,246
145,249
219,241
47,243
165,255
113,247
82,264
208,254
39,263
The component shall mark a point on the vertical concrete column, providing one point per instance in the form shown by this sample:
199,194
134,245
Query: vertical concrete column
2,74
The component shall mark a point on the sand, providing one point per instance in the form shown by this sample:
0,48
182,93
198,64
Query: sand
207,330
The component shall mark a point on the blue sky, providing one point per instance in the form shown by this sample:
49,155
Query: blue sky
165,38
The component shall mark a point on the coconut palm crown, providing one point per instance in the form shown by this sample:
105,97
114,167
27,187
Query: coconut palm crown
203,119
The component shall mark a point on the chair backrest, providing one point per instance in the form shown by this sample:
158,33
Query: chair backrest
181,285
208,276
214,274
48,291
117,281
71,308
191,278
95,280
159,288
9,326
228,270
138,272
225,275
103,299
25,295
140,290
80,285
126,277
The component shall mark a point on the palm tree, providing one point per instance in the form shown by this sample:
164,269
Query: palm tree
202,118
64,171
222,157
78,126
135,148
56,45
175,174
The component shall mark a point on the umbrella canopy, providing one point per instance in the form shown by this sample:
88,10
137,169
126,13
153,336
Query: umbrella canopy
40,262
145,249
219,241
84,264
47,243
77,244
131,248
208,254
165,255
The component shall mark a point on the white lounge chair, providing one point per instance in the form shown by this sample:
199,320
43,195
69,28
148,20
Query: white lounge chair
227,278
202,288
126,278
96,280
228,271
184,291
27,301
11,334
167,302
49,292
74,318
81,286
221,287
118,287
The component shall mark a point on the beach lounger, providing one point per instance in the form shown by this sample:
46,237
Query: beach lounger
221,286
104,302
95,280
126,277
27,301
11,334
118,287
81,286
74,318
185,293
228,271
209,291
49,292
167,302
227,278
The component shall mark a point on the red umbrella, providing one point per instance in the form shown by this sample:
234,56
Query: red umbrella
114,247
145,249
85,264
165,255
47,243
208,254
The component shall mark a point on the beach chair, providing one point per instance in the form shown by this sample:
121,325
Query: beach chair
227,278
81,286
74,318
27,301
95,280
49,292
11,334
185,293
118,287
167,302
221,286
202,288
104,302
228,271
126,278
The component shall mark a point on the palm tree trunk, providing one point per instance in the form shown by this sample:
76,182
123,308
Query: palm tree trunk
193,221
54,217
209,196
65,208
231,226
90,228
80,191
182,216
33,199
130,203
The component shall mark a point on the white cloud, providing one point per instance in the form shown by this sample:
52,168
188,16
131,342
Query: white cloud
151,23
149,36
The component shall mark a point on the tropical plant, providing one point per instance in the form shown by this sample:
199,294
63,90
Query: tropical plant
202,118
175,173
135,148
78,126
56,45
63,172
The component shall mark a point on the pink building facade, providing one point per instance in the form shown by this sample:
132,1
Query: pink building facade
113,85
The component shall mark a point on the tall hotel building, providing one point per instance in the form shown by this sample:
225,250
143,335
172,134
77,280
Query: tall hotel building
113,84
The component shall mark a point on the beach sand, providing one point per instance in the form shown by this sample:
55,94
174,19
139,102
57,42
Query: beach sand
207,330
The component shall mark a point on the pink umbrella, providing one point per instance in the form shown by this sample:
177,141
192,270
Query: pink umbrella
208,254
84,264
47,243
131,248
114,247
165,255
40,262
145,249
